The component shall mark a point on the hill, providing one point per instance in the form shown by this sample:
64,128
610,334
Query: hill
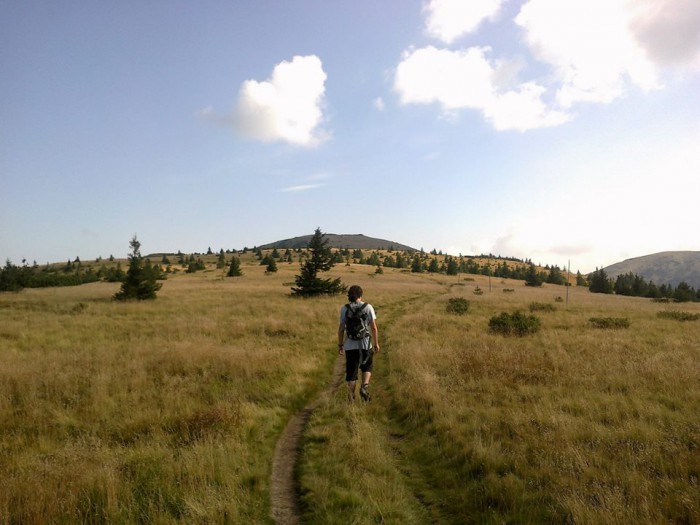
353,242
662,268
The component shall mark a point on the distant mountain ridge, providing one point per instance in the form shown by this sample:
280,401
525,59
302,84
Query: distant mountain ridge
353,242
662,268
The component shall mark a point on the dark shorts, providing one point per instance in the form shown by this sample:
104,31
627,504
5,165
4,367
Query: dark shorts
355,359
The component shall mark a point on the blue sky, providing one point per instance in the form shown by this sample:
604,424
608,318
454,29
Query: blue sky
537,129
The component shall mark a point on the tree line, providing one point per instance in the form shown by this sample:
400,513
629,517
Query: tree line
635,285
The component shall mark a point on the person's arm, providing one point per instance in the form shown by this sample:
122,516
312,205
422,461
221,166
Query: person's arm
375,334
341,337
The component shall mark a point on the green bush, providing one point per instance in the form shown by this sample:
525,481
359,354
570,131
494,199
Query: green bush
542,307
679,316
610,322
514,324
458,305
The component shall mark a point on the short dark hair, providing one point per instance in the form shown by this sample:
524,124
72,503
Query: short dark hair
354,293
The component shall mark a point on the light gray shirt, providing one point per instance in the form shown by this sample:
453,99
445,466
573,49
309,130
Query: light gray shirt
355,344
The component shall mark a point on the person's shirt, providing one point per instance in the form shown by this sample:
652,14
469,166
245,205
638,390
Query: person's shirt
358,344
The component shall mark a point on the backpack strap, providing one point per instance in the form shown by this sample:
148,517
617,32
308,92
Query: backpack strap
359,312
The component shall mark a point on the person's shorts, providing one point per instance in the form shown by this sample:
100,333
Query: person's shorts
355,359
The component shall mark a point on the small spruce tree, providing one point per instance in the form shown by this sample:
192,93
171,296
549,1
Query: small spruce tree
234,269
533,277
141,278
271,265
320,259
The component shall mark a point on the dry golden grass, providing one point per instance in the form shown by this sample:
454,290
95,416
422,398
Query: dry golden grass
168,411
153,412
573,424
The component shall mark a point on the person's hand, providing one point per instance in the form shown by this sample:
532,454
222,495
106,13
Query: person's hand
376,348
341,349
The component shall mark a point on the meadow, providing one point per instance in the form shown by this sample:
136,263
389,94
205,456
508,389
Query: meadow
168,411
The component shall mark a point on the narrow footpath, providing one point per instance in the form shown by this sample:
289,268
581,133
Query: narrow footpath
284,492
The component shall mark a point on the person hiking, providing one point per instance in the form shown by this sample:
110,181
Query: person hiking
358,339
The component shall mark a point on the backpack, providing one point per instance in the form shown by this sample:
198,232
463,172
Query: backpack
356,326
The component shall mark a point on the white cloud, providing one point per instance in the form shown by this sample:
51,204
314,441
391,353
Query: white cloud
523,110
378,104
590,46
287,107
301,187
454,79
465,79
593,50
447,20
668,30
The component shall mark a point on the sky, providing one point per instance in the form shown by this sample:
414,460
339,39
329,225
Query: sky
565,132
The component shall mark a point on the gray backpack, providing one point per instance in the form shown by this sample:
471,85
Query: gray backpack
356,322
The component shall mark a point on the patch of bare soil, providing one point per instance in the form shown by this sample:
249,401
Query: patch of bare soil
284,492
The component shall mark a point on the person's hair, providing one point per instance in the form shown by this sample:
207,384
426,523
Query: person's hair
354,293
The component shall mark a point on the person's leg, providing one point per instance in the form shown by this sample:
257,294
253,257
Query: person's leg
351,390
366,368
352,362
366,377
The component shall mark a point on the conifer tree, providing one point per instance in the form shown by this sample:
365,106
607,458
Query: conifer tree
433,267
600,283
234,270
452,268
271,265
533,278
417,266
320,259
141,278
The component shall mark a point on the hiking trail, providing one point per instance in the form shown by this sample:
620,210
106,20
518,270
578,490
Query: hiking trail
284,490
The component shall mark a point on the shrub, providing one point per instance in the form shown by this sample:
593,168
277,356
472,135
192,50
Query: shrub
458,305
508,290
478,291
679,316
514,324
542,307
610,322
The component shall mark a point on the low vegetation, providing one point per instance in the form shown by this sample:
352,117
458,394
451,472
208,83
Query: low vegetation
516,323
542,307
679,316
168,411
609,322
457,305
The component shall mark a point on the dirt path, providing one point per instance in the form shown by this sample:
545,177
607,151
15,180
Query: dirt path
284,491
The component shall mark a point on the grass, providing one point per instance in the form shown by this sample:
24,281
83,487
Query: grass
168,411
559,427
164,411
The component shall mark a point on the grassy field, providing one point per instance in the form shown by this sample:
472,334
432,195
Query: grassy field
168,411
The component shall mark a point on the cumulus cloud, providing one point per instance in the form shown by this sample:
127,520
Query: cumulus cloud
668,30
448,20
593,51
287,107
590,45
466,79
